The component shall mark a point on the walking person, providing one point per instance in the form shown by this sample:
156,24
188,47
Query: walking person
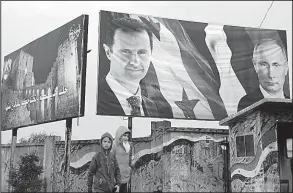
122,150
104,174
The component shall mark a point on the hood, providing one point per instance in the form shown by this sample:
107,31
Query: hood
120,131
107,135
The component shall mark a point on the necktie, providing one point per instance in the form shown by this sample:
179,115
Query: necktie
135,105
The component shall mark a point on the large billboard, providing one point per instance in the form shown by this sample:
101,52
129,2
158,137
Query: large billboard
44,81
168,68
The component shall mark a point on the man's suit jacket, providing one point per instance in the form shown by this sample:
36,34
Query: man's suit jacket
251,98
108,103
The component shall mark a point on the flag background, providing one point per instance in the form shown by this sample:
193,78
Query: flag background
194,61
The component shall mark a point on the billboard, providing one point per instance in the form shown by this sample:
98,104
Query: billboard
168,68
44,81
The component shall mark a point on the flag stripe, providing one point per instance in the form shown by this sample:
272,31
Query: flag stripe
216,41
177,75
198,69
150,87
240,44
197,36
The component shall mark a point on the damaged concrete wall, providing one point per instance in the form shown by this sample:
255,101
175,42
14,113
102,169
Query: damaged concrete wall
179,160
258,172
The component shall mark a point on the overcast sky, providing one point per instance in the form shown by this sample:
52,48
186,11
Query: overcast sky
23,22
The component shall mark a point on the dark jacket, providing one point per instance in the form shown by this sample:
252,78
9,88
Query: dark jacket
251,98
108,103
123,158
104,171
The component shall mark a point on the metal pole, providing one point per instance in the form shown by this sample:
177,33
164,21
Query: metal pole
1,116
66,173
130,123
227,169
12,155
130,128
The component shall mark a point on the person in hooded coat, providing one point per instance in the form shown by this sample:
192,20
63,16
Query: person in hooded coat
104,174
122,150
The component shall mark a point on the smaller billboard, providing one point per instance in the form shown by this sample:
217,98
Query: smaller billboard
44,81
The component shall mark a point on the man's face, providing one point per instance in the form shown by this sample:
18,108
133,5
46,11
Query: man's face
130,55
106,143
271,67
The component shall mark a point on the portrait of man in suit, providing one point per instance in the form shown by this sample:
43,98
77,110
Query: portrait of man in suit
128,47
271,65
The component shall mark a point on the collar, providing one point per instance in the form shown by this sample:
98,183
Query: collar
106,151
267,95
122,93
119,89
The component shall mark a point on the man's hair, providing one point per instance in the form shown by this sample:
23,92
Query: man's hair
268,41
127,24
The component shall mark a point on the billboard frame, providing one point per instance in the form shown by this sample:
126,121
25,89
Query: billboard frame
100,50
83,65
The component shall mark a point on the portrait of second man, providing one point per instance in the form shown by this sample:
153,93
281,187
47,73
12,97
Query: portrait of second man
128,47
271,65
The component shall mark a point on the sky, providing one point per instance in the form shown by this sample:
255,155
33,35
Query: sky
23,22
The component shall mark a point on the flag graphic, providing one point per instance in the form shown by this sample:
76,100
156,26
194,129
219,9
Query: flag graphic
216,41
199,70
